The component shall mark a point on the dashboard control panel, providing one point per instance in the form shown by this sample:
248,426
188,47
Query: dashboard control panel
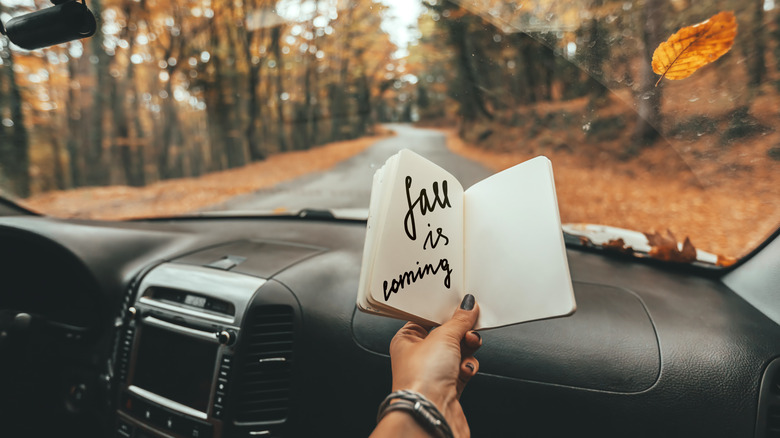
176,353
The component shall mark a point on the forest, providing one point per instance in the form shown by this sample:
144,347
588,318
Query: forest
181,88
169,89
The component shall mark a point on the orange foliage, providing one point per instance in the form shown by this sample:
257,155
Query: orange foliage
665,248
651,193
618,245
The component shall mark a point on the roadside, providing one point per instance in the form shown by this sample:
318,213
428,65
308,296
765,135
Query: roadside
183,195
649,194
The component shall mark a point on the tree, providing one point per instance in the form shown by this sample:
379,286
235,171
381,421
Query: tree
14,139
649,96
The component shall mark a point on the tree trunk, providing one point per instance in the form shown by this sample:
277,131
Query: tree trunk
598,51
756,64
364,105
14,141
468,92
125,116
55,144
97,170
171,137
276,49
254,110
649,96
72,144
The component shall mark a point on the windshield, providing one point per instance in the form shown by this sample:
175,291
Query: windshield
177,107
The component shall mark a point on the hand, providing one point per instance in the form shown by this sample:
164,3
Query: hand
439,363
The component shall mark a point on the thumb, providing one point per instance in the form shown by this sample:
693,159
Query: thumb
462,320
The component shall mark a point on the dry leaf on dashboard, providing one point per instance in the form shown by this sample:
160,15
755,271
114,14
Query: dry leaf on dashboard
666,248
695,46
725,261
618,245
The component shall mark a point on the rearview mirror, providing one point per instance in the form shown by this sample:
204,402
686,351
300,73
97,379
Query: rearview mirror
66,21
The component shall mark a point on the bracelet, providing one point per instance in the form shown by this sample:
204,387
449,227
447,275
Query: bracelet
425,412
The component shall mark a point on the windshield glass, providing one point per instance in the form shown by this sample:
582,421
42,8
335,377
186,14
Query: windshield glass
177,107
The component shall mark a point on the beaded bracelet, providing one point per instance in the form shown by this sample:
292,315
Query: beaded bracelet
425,412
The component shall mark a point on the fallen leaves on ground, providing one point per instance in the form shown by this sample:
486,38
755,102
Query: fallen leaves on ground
693,47
180,196
729,218
666,248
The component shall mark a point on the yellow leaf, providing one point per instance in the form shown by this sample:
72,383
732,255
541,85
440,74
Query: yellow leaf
695,46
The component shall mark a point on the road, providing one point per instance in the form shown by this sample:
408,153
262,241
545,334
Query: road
348,184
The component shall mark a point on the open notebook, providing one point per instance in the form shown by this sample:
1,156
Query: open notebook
429,242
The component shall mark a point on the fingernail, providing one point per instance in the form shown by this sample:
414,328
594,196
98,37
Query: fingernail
470,366
476,333
468,302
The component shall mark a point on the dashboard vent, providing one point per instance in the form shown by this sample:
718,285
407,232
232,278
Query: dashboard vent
267,367
769,403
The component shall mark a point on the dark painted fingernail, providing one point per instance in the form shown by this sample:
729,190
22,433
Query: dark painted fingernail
468,302
476,333
470,366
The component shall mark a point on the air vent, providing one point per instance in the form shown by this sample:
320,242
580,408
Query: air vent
264,391
123,331
769,403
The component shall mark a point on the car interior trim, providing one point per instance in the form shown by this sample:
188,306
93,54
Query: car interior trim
166,402
211,337
182,309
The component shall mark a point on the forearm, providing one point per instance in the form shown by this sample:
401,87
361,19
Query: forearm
397,424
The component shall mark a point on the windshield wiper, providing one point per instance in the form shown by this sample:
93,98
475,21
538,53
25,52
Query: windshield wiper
308,214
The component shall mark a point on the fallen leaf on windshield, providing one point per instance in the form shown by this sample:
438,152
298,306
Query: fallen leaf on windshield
665,248
695,46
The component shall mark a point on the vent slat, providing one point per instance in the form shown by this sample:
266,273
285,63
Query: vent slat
270,379
250,394
287,335
272,325
274,343
265,387
265,354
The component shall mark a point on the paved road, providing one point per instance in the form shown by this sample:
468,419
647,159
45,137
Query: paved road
348,184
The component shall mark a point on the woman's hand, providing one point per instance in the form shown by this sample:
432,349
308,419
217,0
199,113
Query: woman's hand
439,363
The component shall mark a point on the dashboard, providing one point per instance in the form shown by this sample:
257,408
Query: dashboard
246,327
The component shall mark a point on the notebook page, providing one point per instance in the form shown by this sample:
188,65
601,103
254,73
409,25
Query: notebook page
377,207
515,255
418,267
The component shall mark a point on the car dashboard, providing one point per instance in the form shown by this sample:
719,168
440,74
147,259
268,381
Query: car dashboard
247,326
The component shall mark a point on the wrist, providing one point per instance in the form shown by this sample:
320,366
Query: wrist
441,399
419,408
446,402
399,423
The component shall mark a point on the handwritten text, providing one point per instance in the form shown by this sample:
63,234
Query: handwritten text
410,277
424,203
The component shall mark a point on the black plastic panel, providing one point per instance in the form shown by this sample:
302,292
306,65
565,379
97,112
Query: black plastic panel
768,422
609,344
261,258
713,345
